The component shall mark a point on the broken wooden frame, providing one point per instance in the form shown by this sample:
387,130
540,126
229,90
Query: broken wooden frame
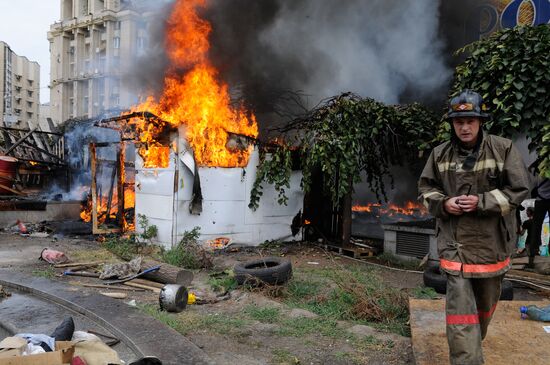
118,172
42,152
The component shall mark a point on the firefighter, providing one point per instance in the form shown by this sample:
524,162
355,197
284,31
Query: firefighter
472,185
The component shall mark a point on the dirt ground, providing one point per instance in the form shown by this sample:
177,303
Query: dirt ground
248,326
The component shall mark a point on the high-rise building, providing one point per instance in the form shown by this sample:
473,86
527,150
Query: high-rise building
89,46
19,88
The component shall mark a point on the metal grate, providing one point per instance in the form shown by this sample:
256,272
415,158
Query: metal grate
412,244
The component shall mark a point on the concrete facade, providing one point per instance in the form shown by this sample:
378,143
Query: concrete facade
19,88
89,47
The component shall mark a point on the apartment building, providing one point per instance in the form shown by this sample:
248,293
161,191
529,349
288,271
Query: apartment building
90,46
19,88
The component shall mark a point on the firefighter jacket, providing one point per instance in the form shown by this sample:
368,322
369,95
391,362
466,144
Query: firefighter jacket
480,243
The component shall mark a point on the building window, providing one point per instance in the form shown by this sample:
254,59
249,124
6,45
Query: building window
140,43
117,25
30,82
29,93
116,42
29,104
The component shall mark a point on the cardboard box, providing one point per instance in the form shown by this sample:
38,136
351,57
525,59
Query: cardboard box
62,355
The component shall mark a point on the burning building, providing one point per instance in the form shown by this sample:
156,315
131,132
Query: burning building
195,155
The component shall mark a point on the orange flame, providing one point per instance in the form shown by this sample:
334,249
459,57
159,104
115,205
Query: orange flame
197,99
410,208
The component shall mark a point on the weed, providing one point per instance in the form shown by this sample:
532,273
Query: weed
223,282
423,292
284,357
264,315
188,253
123,247
387,258
148,231
48,273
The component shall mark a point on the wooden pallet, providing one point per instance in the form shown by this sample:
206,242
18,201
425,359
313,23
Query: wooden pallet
351,251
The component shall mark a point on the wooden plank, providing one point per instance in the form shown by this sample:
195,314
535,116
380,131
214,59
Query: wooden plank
505,343
25,136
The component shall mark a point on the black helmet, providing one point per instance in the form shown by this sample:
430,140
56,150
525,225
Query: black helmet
467,104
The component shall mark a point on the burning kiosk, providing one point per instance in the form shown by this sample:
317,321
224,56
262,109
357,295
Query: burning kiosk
168,186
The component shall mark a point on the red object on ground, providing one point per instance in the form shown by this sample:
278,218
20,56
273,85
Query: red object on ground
22,228
77,360
8,167
53,256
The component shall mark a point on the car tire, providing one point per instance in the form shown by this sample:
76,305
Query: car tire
269,270
433,278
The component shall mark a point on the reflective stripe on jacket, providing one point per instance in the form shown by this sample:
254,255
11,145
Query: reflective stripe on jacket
478,244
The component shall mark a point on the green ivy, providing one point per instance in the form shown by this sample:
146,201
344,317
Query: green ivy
511,69
275,169
345,137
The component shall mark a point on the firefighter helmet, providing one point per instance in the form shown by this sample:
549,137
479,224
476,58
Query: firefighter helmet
467,104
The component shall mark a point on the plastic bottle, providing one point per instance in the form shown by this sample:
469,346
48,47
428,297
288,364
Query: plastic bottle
535,313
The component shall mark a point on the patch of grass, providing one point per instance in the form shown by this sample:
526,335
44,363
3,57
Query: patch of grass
47,273
264,315
191,322
387,258
99,254
297,289
284,357
357,295
223,283
423,292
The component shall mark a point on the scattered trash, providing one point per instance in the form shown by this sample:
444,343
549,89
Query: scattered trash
173,298
313,263
121,270
114,295
535,313
132,303
191,298
22,228
546,329
53,256
144,272
39,235
4,293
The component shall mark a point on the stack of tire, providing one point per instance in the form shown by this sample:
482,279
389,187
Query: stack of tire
436,279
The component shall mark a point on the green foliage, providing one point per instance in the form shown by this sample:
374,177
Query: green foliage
149,231
511,70
275,169
223,282
423,292
124,247
346,137
187,253
127,247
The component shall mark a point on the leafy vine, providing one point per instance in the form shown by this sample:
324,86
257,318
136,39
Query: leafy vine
511,70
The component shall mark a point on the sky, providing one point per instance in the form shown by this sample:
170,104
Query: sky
23,26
